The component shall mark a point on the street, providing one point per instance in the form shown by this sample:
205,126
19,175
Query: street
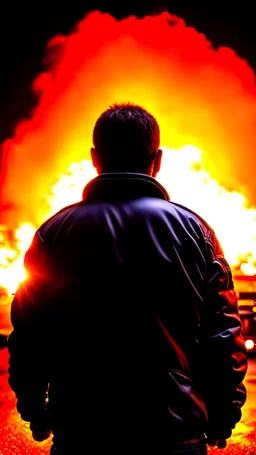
15,437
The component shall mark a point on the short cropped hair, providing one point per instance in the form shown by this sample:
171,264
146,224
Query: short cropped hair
126,137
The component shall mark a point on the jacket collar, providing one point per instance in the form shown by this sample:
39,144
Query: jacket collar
123,186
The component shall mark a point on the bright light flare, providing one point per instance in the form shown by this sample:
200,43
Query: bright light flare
249,344
12,253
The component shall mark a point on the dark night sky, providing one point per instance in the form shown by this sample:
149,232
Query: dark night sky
26,29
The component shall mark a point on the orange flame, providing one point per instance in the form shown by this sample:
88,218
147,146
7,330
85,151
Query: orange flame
203,99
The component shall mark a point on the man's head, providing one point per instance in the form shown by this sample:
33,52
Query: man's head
126,138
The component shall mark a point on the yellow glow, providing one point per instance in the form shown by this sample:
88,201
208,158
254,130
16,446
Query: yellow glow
187,182
249,344
12,270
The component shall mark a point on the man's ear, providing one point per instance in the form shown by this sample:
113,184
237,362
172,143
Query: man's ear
94,157
157,162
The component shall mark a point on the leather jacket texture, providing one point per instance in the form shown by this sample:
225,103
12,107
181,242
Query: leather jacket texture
128,321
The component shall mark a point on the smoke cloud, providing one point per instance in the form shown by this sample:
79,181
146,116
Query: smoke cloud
200,96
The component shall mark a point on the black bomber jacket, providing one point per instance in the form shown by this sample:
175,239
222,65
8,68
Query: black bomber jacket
129,302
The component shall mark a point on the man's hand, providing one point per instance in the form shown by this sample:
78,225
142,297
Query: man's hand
41,435
40,430
220,443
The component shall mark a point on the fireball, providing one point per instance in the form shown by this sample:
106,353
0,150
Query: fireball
203,98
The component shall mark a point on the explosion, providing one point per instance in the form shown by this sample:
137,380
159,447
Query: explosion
203,99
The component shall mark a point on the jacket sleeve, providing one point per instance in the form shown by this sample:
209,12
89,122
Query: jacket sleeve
28,353
223,352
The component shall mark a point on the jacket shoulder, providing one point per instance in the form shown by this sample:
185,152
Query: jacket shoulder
191,214
57,218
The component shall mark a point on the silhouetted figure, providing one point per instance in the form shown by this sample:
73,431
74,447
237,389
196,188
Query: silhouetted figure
126,334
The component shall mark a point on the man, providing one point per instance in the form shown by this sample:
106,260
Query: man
126,334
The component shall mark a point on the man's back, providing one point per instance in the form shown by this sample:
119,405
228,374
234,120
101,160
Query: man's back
122,325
